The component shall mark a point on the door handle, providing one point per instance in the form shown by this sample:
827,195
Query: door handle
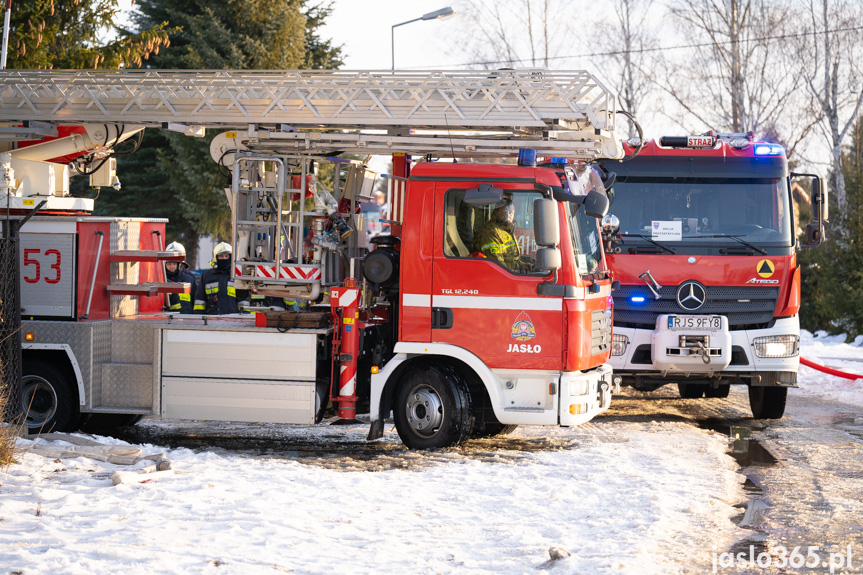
441,318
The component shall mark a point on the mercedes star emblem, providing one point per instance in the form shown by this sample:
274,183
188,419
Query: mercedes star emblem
691,295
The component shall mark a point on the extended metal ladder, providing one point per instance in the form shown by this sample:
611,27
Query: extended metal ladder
465,113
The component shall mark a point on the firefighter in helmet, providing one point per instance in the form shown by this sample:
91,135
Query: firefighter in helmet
216,293
495,241
178,272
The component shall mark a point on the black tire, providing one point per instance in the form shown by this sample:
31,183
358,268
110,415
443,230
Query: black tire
48,399
691,390
432,408
109,421
767,402
720,392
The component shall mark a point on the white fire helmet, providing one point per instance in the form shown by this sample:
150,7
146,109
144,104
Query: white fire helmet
221,248
178,248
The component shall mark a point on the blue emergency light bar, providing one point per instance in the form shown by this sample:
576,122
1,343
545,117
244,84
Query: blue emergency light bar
768,150
526,157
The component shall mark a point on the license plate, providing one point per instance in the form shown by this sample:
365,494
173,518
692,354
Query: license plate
694,322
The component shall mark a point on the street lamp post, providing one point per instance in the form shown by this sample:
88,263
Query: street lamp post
436,15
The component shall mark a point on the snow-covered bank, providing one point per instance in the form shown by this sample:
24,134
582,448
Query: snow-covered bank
620,497
830,351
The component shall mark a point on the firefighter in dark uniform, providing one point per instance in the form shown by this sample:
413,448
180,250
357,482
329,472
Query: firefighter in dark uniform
216,293
179,272
495,241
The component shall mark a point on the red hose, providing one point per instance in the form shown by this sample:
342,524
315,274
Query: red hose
830,370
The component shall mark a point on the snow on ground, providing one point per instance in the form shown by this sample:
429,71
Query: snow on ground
632,498
831,351
620,496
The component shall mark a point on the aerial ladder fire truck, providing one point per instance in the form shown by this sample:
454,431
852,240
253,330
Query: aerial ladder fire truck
703,239
421,324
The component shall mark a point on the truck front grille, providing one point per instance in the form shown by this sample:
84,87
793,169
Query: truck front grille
600,332
745,307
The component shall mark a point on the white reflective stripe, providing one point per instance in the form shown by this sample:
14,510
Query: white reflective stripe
416,300
577,293
348,387
512,303
347,297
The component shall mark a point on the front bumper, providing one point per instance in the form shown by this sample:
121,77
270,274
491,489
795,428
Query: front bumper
584,395
645,353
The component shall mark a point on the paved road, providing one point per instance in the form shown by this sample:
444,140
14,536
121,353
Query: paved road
805,472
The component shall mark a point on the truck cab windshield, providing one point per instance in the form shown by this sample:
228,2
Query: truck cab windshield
712,212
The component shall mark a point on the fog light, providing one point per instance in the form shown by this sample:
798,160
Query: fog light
777,346
619,343
577,387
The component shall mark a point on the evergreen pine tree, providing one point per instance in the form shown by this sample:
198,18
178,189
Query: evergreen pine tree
832,274
64,34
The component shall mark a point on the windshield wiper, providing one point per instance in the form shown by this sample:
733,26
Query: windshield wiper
654,242
761,251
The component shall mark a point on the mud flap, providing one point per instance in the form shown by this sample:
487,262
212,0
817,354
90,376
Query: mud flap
376,430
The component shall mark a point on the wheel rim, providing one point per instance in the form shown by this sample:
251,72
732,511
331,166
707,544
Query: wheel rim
39,400
424,410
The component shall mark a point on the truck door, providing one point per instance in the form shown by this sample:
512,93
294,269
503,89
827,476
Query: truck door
484,282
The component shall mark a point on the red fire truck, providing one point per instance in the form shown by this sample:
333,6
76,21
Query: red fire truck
426,326
703,240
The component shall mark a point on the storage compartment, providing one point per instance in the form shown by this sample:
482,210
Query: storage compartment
238,375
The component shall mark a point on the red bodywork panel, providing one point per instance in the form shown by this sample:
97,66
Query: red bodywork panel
672,270
489,304
726,270
88,249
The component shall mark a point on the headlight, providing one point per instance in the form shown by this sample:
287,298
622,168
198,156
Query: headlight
619,344
777,346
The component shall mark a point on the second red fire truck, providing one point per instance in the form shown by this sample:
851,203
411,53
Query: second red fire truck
703,240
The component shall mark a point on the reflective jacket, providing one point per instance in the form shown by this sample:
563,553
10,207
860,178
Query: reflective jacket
182,302
496,243
217,295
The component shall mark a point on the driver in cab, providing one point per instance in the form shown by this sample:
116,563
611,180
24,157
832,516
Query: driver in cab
495,241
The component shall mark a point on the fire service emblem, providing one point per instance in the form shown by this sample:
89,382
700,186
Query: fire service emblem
522,328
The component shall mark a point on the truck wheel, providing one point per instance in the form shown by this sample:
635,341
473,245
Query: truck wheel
48,399
691,390
767,402
109,421
720,392
432,409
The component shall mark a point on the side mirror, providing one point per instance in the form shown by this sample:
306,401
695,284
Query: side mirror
815,229
484,195
610,225
819,199
548,259
546,226
596,204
